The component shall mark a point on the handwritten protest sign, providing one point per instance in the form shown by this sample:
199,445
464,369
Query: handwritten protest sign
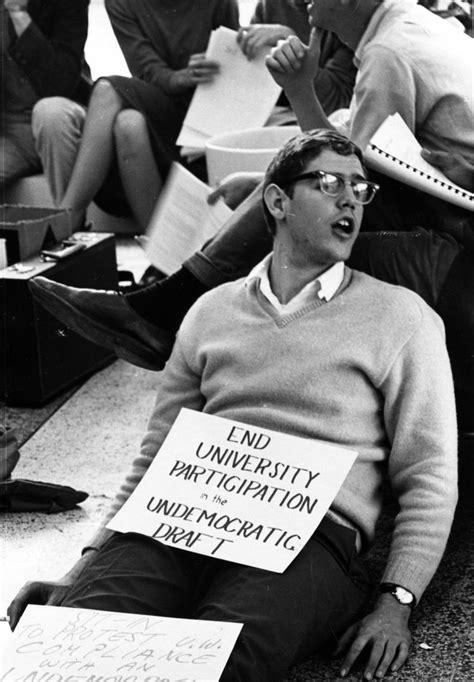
58,644
225,489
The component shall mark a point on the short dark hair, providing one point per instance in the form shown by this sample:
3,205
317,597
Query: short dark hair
294,156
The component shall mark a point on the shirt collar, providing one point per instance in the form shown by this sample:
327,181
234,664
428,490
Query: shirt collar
326,284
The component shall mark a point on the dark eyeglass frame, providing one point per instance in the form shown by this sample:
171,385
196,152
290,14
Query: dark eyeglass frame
320,174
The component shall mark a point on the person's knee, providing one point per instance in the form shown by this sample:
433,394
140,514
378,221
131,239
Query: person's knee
52,117
129,129
104,95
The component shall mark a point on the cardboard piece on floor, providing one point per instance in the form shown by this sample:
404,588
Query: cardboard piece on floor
77,644
222,488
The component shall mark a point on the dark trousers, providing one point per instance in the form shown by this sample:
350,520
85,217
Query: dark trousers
286,617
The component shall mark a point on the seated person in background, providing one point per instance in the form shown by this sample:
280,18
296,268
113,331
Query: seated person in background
274,20
42,49
129,132
380,383
140,326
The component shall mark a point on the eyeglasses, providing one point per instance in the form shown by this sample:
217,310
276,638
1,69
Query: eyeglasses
332,184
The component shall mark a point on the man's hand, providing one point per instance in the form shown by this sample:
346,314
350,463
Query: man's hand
234,188
257,36
44,592
383,634
454,166
294,65
198,70
36,592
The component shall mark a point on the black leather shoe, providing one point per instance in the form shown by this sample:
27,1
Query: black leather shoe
107,319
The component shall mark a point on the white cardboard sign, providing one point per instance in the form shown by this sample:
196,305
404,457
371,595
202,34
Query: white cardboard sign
59,644
236,492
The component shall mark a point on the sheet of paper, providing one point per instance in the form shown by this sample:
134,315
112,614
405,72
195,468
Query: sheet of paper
59,643
182,220
241,96
225,489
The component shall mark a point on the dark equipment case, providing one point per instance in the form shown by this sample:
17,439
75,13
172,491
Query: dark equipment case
40,357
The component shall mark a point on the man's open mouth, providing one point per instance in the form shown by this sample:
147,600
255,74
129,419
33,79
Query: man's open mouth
344,226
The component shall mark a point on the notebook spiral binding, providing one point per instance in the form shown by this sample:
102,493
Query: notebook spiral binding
436,181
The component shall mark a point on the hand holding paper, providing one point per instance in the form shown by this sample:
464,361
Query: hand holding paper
454,166
241,97
199,70
256,37
395,151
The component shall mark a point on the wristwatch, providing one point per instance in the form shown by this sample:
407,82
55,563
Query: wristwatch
402,595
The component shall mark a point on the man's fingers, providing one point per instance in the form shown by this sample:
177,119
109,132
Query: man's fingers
206,65
401,657
288,54
356,648
378,660
439,159
198,62
196,59
296,47
215,195
248,39
14,612
31,593
242,34
273,65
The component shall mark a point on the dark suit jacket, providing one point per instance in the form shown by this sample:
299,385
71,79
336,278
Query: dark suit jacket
50,52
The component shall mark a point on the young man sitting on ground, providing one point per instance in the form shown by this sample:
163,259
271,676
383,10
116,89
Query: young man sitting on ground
309,347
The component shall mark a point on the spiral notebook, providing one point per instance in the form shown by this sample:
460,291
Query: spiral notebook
394,151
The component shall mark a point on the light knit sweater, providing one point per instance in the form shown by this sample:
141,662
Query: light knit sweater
368,370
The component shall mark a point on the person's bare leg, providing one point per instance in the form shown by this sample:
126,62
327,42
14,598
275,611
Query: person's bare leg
140,177
96,150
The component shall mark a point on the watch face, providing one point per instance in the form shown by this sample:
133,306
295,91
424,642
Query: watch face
403,596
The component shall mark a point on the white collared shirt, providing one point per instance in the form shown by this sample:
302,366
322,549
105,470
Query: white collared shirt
325,286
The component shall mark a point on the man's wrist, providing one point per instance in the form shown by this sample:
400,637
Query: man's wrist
399,593
386,603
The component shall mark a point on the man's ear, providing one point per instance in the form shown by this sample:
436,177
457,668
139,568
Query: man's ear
276,201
